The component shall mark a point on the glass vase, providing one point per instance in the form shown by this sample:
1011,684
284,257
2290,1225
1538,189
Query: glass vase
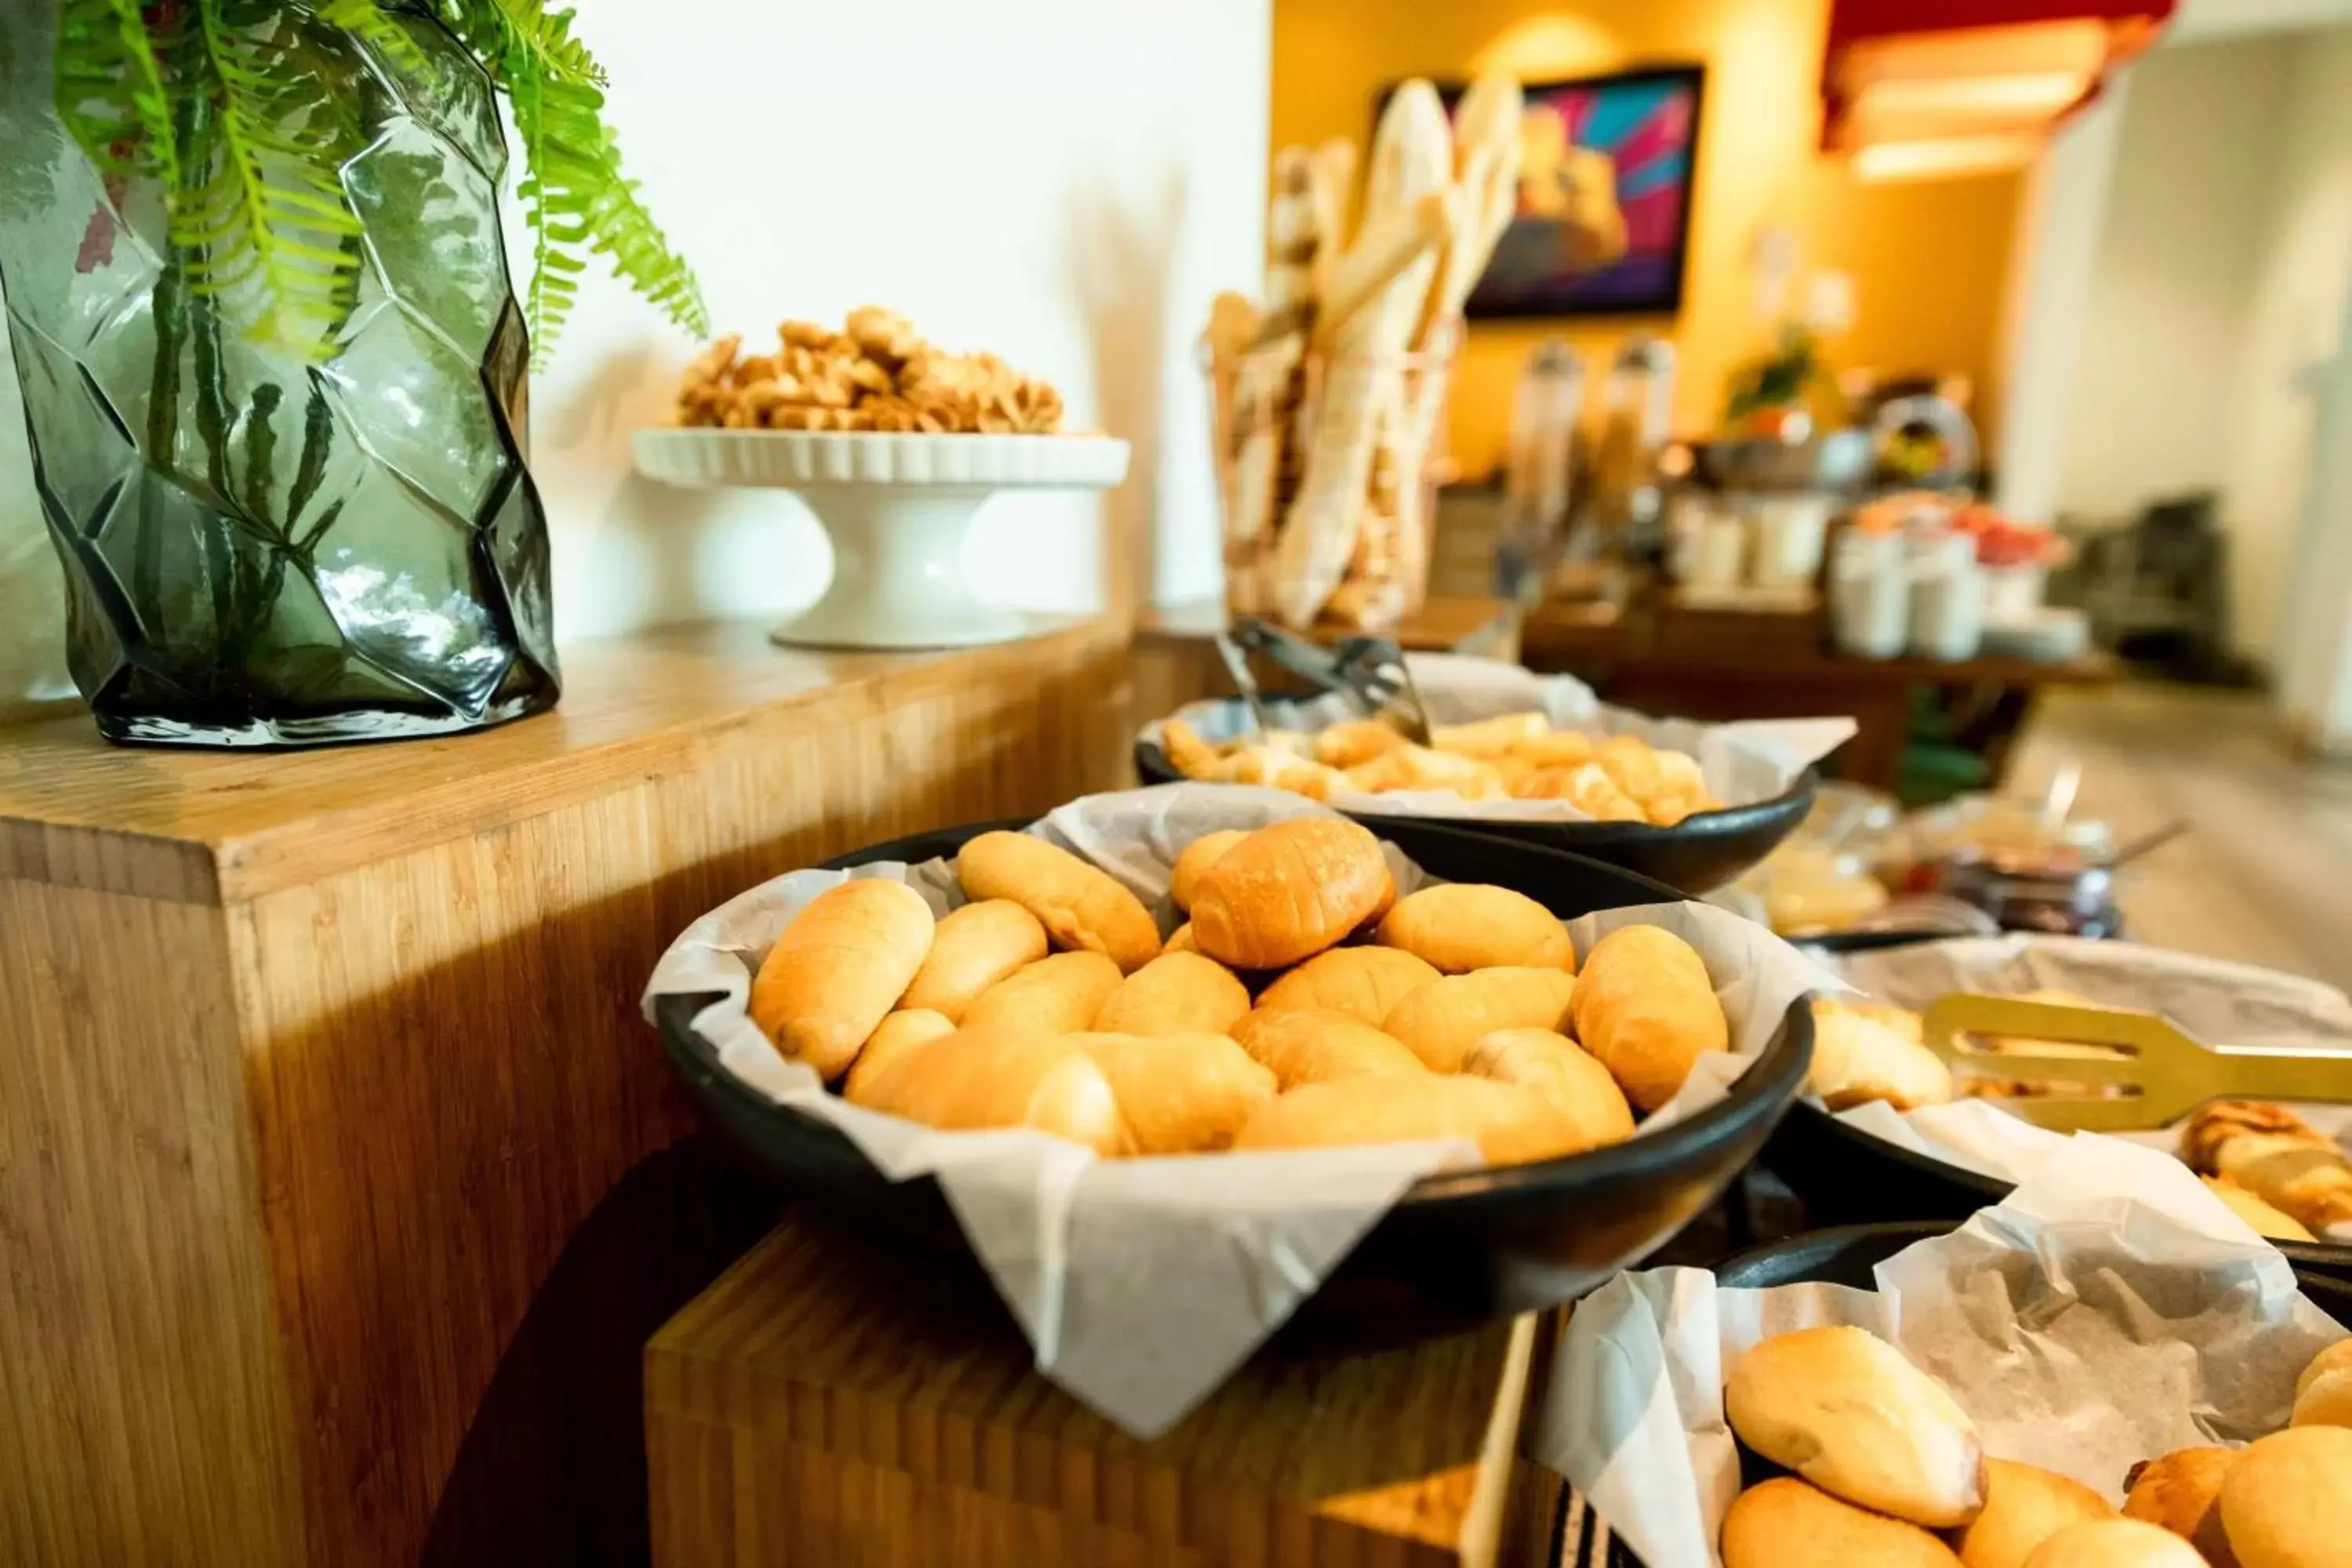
259,547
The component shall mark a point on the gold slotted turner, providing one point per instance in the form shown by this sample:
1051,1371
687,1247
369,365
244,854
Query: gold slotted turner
2149,1072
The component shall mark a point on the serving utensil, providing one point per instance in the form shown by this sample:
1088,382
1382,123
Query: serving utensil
2148,1073
1370,670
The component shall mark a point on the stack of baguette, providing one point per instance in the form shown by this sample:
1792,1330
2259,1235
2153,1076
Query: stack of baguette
1302,1005
1887,1469
1328,392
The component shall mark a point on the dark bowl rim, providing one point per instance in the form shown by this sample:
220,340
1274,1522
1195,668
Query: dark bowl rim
1765,1090
2324,1262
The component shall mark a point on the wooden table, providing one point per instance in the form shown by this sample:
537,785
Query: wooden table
827,1404
1723,665
333,1211
1176,657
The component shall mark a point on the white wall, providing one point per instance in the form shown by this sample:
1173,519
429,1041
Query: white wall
1066,182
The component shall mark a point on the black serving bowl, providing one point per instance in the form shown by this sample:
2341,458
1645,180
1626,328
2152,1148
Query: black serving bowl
1847,1176
1697,855
1457,1250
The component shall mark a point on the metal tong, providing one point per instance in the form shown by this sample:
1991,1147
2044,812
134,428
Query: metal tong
2149,1073
1370,670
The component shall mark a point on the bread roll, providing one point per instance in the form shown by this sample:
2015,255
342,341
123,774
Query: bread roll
1175,993
2286,1501
1845,1410
1082,907
1645,1006
1181,940
978,1079
1316,1045
1785,1523
1364,982
1440,1022
1553,1065
973,948
2115,1543
890,1040
2323,1394
1193,862
1180,1094
1355,743
1857,1058
1508,1123
1632,764
2264,1220
1460,926
1489,737
2179,1491
1060,994
1289,891
838,969
2024,1508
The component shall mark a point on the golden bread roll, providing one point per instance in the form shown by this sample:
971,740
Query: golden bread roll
1279,769
973,948
1180,1094
1510,1124
1555,1067
1850,1413
1412,767
978,1079
1364,982
838,969
1589,788
1857,1058
1645,1006
1289,891
1188,753
1175,993
2115,1543
2335,1358
1458,927
1356,743
1195,858
1489,737
1313,1045
2323,1394
1061,995
1555,749
2024,1508
1082,907
2286,1501
1440,1022
1632,764
1784,1523
2181,1491
1181,940
892,1038
2275,1155
2250,1207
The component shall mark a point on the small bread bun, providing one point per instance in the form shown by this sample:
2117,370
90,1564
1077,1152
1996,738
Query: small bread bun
1553,1065
1061,995
1364,982
1181,940
1195,859
2263,1216
1180,1094
1510,1124
1784,1523
1850,1413
2024,1508
1310,1044
2286,1501
891,1039
838,969
2179,1492
1645,1006
1175,993
1355,743
973,948
2116,1543
978,1079
1858,1058
1462,926
1439,1023
1286,893
2323,1394
1083,908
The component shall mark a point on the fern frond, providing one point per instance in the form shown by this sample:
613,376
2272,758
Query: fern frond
109,89
366,20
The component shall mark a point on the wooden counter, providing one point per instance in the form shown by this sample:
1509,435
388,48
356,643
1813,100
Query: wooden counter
324,1084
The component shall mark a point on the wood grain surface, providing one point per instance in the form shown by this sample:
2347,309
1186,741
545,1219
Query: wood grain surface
328,1205
830,1401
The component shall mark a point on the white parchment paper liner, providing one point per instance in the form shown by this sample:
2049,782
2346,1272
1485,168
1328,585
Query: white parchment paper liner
2110,1310
1744,762
2222,1003
1142,1284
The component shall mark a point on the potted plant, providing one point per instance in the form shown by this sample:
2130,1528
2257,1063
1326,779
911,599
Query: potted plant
272,362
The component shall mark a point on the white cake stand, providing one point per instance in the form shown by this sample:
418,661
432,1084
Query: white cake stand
896,509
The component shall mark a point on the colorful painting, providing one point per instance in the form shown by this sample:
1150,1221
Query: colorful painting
1606,175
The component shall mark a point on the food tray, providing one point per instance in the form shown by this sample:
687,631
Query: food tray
1458,1249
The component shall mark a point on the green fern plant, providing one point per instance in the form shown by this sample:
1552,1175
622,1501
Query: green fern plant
221,103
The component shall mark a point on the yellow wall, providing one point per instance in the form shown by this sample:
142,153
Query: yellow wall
1928,260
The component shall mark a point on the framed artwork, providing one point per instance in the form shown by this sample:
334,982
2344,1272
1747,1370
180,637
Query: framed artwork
1608,169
